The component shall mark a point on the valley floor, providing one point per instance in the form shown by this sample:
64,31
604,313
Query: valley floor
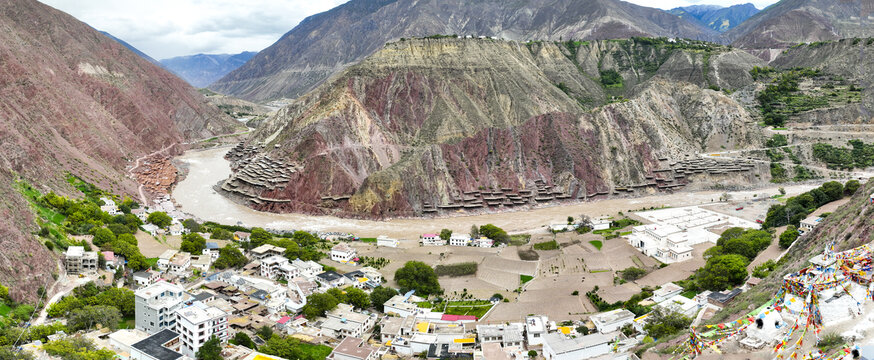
196,196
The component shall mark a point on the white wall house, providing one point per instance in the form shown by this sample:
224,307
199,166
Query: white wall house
199,322
383,240
611,321
459,240
432,240
560,347
343,253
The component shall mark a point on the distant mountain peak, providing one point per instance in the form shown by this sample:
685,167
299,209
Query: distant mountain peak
200,70
716,17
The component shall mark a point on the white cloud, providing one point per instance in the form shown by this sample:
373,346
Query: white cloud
168,28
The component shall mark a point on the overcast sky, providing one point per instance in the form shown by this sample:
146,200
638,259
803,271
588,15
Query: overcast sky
168,28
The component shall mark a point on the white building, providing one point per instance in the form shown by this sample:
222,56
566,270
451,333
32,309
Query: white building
165,257
152,229
308,269
611,321
266,250
156,304
109,207
459,240
401,306
343,321
599,224
176,229
212,249
432,240
343,253
146,278
560,347
483,242
199,322
666,243
180,263
681,304
506,334
140,214
536,327
383,240
278,267
665,292
809,224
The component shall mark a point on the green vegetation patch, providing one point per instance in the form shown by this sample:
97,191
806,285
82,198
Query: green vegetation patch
548,245
858,155
597,244
368,240
525,278
453,270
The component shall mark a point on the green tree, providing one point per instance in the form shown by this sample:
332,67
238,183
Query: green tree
633,273
380,295
210,350
221,234
722,272
4,294
851,186
495,233
88,317
570,220
663,322
193,243
103,236
119,229
191,225
788,236
265,332
259,237
833,189
445,234
160,219
318,304
416,275
474,231
357,298
230,257
128,238
120,298
244,340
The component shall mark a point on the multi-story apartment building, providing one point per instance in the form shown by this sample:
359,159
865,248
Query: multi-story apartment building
77,260
156,305
199,322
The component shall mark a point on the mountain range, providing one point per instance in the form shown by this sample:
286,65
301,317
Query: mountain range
76,102
324,44
717,17
201,70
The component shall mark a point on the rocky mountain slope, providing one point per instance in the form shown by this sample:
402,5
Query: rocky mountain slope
132,48
327,43
77,101
790,22
717,17
200,70
434,125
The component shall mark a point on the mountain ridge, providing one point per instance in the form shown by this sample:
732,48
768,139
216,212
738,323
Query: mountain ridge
717,17
201,70
324,44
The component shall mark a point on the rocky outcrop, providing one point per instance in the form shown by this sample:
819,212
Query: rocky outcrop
791,22
427,126
327,43
76,101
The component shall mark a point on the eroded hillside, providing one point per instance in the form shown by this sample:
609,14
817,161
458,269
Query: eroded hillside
435,125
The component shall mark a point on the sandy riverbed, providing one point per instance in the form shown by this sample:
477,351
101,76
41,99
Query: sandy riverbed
196,196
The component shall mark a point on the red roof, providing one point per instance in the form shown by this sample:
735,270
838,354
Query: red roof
284,320
447,317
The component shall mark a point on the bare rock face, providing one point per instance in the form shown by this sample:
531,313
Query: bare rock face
75,100
790,22
327,43
427,126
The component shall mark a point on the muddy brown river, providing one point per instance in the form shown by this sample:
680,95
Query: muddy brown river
196,196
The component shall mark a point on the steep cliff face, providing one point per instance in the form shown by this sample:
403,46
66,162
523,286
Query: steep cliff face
75,100
327,43
790,22
439,125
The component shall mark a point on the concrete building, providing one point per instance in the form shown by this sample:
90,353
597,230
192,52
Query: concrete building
681,304
176,229
163,345
665,292
212,249
343,321
308,269
506,334
113,261
77,260
156,304
165,258
383,240
180,263
432,240
611,321
535,328
199,322
809,224
483,242
266,250
330,279
343,253
201,262
560,347
278,267
352,348
401,306
599,224
146,278
459,239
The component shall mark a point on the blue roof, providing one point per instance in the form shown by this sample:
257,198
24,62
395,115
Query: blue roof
408,294
212,245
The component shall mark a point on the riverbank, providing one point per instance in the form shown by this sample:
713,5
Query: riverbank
204,168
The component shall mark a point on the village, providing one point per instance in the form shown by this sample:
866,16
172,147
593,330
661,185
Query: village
492,301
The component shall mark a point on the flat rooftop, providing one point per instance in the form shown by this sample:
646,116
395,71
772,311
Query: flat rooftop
154,345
